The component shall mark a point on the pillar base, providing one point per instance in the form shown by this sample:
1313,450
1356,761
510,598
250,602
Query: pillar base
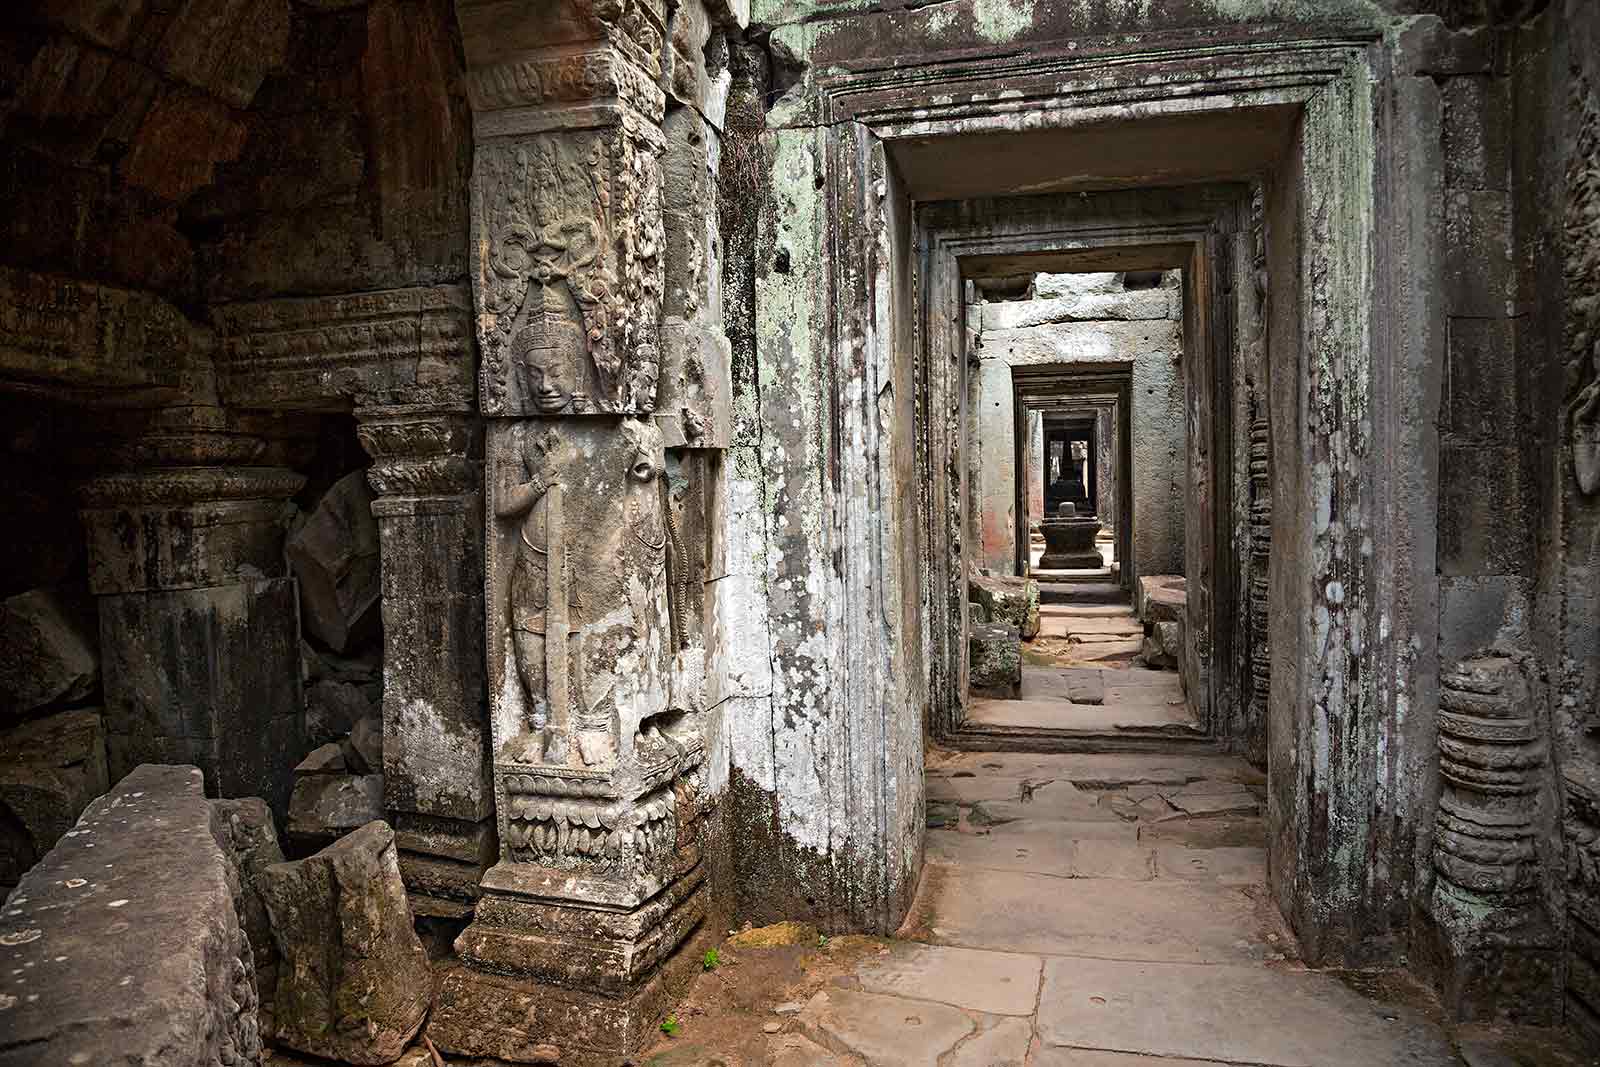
589,984
1071,561
442,861
1494,964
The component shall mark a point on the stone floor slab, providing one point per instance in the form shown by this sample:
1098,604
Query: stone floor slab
1227,866
1063,715
1000,983
1101,850
1232,1013
1079,1057
1113,676
884,1030
1002,1045
1104,624
1022,912
1239,803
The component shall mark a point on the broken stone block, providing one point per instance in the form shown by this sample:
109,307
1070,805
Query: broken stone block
49,650
244,830
124,943
1161,597
325,806
1163,646
333,709
324,759
995,653
363,749
334,554
355,983
50,769
1014,601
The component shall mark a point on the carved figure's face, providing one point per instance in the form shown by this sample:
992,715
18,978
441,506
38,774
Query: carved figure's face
647,459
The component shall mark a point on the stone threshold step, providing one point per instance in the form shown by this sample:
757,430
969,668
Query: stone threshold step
979,738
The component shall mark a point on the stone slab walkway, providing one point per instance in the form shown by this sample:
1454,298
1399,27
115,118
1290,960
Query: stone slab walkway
1094,924
1091,699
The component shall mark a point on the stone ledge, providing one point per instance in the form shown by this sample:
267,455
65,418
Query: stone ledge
123,944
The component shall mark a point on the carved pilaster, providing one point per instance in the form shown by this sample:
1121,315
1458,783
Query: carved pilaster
1497,946
596,743
199,627
426,471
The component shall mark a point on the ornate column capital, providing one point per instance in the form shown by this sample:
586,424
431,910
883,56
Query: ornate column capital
418,454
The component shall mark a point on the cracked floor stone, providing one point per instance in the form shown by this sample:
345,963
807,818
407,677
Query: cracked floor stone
1056,934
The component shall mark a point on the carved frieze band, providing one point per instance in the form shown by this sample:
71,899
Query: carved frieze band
397,346
597,77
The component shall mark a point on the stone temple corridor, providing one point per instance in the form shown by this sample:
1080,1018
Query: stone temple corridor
751,532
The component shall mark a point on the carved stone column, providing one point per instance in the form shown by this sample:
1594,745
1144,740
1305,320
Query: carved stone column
1497,948
426,471
199,627
597,737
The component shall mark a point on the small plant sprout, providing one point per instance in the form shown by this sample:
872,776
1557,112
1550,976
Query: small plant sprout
711,959
822,940
669,1026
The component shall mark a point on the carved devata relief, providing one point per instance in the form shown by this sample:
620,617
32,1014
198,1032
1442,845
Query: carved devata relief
569,237
1581,271
585,583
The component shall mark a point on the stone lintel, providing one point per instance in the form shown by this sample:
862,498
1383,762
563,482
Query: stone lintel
388,347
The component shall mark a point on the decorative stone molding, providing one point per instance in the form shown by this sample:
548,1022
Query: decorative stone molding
1581,271
1498,946
80,337
391,347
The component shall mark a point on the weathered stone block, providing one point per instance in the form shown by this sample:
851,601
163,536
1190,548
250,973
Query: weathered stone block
1163,645
356,984
1160,597
334,554
244,831
50,769
48,650
206,676
324,759
994,651
325,806
333,708
363,749
585,982
137,899
1013,601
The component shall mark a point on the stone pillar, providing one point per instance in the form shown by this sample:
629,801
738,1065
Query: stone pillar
199,623
597,388
426,471
1496,947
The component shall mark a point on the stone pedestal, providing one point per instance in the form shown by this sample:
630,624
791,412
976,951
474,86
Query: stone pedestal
1069,542
427,473
199,631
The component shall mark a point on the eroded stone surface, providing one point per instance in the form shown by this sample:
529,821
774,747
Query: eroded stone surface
355,983
123,945
48,650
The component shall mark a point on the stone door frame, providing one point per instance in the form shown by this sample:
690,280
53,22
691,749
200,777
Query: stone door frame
1357,352
1136,229
1097,387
